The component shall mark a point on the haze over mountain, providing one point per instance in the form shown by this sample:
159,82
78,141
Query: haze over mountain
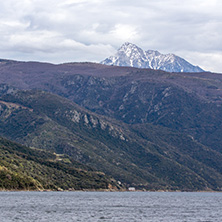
131,55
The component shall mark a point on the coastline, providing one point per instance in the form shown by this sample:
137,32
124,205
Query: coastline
116,191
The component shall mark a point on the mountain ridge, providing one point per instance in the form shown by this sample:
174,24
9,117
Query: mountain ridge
131,55
126,93
171,122
140,155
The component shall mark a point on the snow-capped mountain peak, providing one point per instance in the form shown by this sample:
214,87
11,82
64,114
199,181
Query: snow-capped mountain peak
129,49
131,55
153,52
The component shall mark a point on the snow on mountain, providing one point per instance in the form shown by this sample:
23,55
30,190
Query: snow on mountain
131,55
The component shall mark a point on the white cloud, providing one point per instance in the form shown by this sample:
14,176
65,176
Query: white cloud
122,31
209,61
76,30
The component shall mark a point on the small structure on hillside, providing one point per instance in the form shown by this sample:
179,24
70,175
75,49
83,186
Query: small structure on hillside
132,189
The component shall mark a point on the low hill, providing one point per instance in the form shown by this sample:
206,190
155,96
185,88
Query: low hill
23,168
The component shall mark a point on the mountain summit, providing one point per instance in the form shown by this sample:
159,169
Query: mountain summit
131,55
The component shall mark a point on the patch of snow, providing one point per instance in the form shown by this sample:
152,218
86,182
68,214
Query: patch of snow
133,56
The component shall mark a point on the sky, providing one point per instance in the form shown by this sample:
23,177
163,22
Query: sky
59,31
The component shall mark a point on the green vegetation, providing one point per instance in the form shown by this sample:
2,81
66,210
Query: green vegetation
23,168
143,155
159,130
184,103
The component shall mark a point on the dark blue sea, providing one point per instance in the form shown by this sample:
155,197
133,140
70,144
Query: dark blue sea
110,206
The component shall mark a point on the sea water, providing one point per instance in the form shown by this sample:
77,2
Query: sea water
110,206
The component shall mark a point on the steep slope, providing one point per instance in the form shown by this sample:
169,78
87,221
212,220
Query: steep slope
131,95
141,156
145,98
131,55
23,168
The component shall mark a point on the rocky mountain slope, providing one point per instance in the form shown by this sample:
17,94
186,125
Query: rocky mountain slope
141,155
145,127
189,102
142,98
131,55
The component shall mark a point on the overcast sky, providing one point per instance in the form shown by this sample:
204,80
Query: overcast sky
90,30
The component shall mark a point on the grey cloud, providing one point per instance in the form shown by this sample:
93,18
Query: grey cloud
91,30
